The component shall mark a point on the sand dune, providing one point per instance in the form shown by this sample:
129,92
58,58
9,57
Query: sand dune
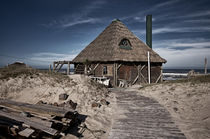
31,87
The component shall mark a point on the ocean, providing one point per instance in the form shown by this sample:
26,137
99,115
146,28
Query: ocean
174,74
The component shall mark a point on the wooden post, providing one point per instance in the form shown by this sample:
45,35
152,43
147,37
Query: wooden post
53,66
148,67
205,66
68,68
115,74
50,68
161,72
85,69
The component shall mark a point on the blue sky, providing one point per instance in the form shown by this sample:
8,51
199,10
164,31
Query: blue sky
38,32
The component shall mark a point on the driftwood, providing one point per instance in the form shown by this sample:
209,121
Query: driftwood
28,120
37,109
26,132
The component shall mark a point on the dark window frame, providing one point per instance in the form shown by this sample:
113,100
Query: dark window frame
105,70
125,44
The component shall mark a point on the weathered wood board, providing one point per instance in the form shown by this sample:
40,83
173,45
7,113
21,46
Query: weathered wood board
37,109
140,117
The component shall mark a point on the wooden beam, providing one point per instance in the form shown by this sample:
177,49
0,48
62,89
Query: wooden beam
36,109
161,73
26,132
142,68
53,66
119,66
60,67
205,66
93,71
96,66
141,75
116,69
29,122
115,74
158,78
68,68
138,75
143,78
50,68
148,67
56,66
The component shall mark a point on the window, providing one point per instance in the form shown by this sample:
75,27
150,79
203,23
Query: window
105,72
125,44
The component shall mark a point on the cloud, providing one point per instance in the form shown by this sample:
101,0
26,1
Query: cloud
141,19
149,10
183,44
175,30
196,14
197,21
184,58
83,21
180,29
47,58
78,18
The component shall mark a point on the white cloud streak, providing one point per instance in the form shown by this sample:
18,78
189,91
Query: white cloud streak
46,58
193,54
83,21
184,58
78,18
175,30
153,8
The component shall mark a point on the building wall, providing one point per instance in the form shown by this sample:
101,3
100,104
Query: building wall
129,72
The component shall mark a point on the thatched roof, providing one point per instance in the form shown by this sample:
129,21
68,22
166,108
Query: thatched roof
106,47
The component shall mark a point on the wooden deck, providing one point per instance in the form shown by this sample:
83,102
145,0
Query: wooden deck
141,117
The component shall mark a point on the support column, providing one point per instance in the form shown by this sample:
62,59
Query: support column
85,69
148,67
50,68
115,75
68,68
116,72
53,66
205,66
161,72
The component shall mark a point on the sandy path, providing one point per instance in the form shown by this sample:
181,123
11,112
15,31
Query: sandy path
141,117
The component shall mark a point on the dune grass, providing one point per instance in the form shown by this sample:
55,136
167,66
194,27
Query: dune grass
15,71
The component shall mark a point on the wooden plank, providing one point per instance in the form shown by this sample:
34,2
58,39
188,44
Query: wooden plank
60,67
148,67
56,66
29,122
158,78
137,77
119,66
26,132
141,75
205,66
161,72
53,66
96,66
37,109
68,68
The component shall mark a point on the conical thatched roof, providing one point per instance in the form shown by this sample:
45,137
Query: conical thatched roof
106,47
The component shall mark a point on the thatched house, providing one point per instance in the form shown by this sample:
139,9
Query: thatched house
118,54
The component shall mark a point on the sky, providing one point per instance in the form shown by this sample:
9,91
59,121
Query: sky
39,32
